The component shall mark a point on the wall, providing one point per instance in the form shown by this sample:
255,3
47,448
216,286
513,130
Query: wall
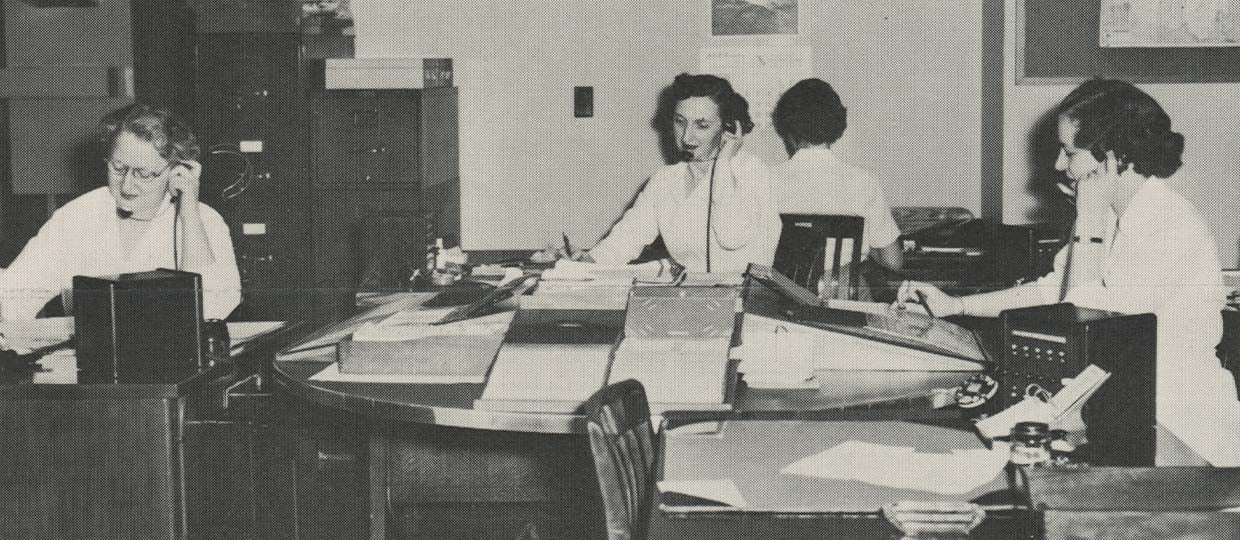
908,71
97,35
1204,113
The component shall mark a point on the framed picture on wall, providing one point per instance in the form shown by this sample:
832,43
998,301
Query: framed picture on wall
753,17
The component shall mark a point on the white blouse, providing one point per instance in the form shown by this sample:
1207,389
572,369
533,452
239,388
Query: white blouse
1160,258
745,220
83,238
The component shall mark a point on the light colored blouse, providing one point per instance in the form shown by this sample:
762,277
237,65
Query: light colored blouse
745,220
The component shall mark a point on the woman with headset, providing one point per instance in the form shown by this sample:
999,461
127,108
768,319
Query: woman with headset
147,217
713,207
1137,247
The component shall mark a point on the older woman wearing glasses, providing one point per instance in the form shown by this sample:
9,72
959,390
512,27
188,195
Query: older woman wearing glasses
147,217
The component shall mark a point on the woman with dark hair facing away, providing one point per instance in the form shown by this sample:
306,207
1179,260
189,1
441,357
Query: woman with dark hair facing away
713,208
809,117
1137,247
128,225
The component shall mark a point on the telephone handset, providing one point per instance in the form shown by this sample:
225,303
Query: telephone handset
176,193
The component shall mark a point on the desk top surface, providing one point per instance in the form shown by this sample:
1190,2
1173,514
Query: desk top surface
752,454
453,404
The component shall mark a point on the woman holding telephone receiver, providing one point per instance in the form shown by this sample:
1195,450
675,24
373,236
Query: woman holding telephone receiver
1137,247
713,207
147,217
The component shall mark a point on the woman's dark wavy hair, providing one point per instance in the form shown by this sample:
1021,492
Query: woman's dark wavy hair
1113,115
169,134
732,106
809,113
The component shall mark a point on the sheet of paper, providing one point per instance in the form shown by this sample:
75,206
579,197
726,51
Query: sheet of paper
415,323
565,269
1169,23
59,367
332,373
760,73
723,490
24,335
241,332
772,358
954,473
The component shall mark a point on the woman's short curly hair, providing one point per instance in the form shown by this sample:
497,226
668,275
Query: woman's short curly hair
732,105
1113,115
809,113
169,134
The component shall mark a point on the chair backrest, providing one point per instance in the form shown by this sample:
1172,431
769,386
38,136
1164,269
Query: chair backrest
801,253
625,451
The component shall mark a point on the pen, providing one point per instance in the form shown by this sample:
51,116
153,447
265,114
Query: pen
568,248
921,297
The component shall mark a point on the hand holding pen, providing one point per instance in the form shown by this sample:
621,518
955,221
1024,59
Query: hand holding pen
931,299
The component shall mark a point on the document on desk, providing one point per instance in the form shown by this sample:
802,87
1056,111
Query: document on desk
59,367
648,272
677,374
406,344
955,473
26,335
552,360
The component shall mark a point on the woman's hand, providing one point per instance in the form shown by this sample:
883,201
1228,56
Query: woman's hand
730,143
1093,194
185,178
934,299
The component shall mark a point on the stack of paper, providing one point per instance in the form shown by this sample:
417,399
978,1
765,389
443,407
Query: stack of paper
552,360
777,355
677,374
610,293
649,272
955,473
676,342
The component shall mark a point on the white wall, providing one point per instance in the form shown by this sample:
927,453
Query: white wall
909,73
1205,113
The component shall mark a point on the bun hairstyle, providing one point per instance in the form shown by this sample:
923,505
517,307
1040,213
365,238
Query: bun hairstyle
732,106
169,134
1113,115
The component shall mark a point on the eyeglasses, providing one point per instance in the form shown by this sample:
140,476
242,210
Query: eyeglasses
122,170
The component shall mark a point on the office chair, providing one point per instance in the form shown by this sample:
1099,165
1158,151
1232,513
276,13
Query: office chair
802,247
625,451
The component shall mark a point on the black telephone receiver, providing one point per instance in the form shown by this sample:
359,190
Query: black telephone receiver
176,193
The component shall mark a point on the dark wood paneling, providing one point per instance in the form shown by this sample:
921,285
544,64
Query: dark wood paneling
90,469
163,54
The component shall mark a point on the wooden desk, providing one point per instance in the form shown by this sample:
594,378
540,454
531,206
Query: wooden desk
95,459
751,454
431,454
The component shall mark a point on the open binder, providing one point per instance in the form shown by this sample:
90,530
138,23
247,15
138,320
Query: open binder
904,329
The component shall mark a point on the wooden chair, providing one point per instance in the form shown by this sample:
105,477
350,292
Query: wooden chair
625,451
801,252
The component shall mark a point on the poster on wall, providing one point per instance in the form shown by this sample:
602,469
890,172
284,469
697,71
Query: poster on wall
760,73
753,17
1169,23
